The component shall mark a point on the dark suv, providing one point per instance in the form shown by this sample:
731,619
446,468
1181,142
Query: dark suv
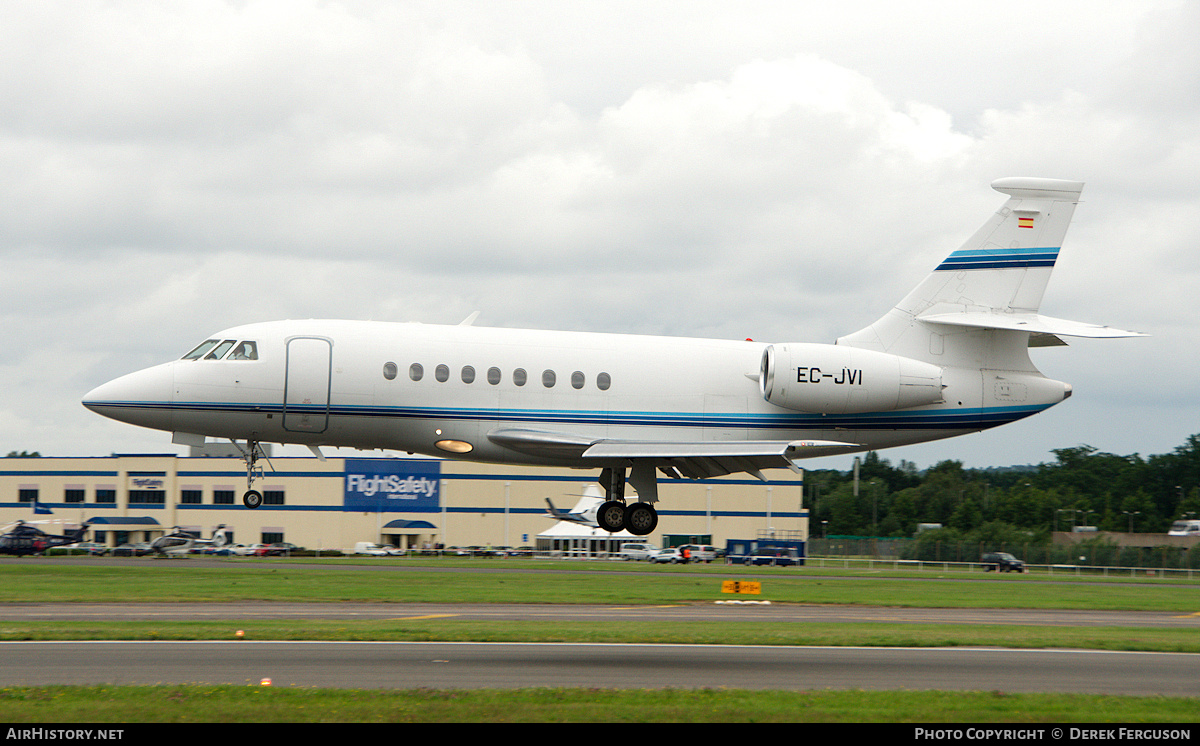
1001,562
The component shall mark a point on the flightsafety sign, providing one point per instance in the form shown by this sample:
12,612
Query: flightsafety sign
392,485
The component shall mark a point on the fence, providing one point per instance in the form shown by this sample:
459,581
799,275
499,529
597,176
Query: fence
1095,554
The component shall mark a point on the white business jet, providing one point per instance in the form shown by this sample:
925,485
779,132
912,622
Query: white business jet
950,358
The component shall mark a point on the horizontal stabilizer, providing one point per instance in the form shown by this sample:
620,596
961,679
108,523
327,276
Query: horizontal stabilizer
1034,323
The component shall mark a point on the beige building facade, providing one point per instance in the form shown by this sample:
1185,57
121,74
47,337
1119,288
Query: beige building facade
335,503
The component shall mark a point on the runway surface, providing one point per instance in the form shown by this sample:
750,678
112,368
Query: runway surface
510,665
473,665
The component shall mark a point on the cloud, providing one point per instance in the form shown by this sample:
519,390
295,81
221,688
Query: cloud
777,171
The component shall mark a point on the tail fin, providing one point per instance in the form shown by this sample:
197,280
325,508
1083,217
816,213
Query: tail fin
994,282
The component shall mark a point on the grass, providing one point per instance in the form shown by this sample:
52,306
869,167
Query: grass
257,704
1167,640
508,581
518,581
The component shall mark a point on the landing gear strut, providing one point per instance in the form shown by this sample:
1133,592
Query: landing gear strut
250,455
639,518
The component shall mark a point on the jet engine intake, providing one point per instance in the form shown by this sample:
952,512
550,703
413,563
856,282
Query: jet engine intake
834,379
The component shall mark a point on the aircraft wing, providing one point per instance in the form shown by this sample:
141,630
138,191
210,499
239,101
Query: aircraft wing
691,459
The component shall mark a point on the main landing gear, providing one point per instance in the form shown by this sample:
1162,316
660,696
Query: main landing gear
250,455
639,518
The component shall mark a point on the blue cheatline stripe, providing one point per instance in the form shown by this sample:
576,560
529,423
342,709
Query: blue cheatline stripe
999,259
928,419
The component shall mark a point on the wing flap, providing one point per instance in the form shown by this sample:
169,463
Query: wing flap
692,459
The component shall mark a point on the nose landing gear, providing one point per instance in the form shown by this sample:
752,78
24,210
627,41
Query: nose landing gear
250,455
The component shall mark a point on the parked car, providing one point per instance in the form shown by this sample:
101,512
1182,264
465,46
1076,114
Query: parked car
671,554
278,549
90,547
139,549
1001,562
1184,528
700,552
638,552
768,556
376,550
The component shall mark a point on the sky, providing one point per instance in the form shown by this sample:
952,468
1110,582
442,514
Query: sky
782,171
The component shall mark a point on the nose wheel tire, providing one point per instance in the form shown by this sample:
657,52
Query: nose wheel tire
252,499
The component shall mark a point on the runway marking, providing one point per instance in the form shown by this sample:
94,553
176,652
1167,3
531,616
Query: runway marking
415,618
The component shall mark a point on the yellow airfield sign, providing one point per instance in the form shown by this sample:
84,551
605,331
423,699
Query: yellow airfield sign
741,586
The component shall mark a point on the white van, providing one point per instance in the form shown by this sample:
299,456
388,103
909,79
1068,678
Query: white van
701,552
632,551
1184,528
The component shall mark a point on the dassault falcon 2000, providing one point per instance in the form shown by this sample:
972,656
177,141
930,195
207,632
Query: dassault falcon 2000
950,358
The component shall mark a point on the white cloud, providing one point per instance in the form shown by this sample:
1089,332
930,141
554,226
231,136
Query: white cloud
775,170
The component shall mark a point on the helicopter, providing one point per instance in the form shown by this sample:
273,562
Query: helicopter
179,542
25,538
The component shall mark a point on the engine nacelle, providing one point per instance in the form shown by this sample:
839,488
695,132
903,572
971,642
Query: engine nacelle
833,379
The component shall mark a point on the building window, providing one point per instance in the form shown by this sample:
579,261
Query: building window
147,497
191,497
272,537
222,497
27,495
105,495
272,497
74,495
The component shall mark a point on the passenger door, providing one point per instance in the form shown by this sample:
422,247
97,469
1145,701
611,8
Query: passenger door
306,385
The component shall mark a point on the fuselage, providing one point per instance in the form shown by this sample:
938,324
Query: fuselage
440,390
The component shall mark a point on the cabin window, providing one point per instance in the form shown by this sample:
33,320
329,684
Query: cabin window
493,376
416,372
577,379
603,381
202,350
441,373
520,376
468,374
245,351
548,378
389,371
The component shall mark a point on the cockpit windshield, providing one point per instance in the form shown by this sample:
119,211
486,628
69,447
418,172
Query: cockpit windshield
215,349
199,352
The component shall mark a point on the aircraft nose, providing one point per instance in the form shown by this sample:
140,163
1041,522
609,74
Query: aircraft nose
141,398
